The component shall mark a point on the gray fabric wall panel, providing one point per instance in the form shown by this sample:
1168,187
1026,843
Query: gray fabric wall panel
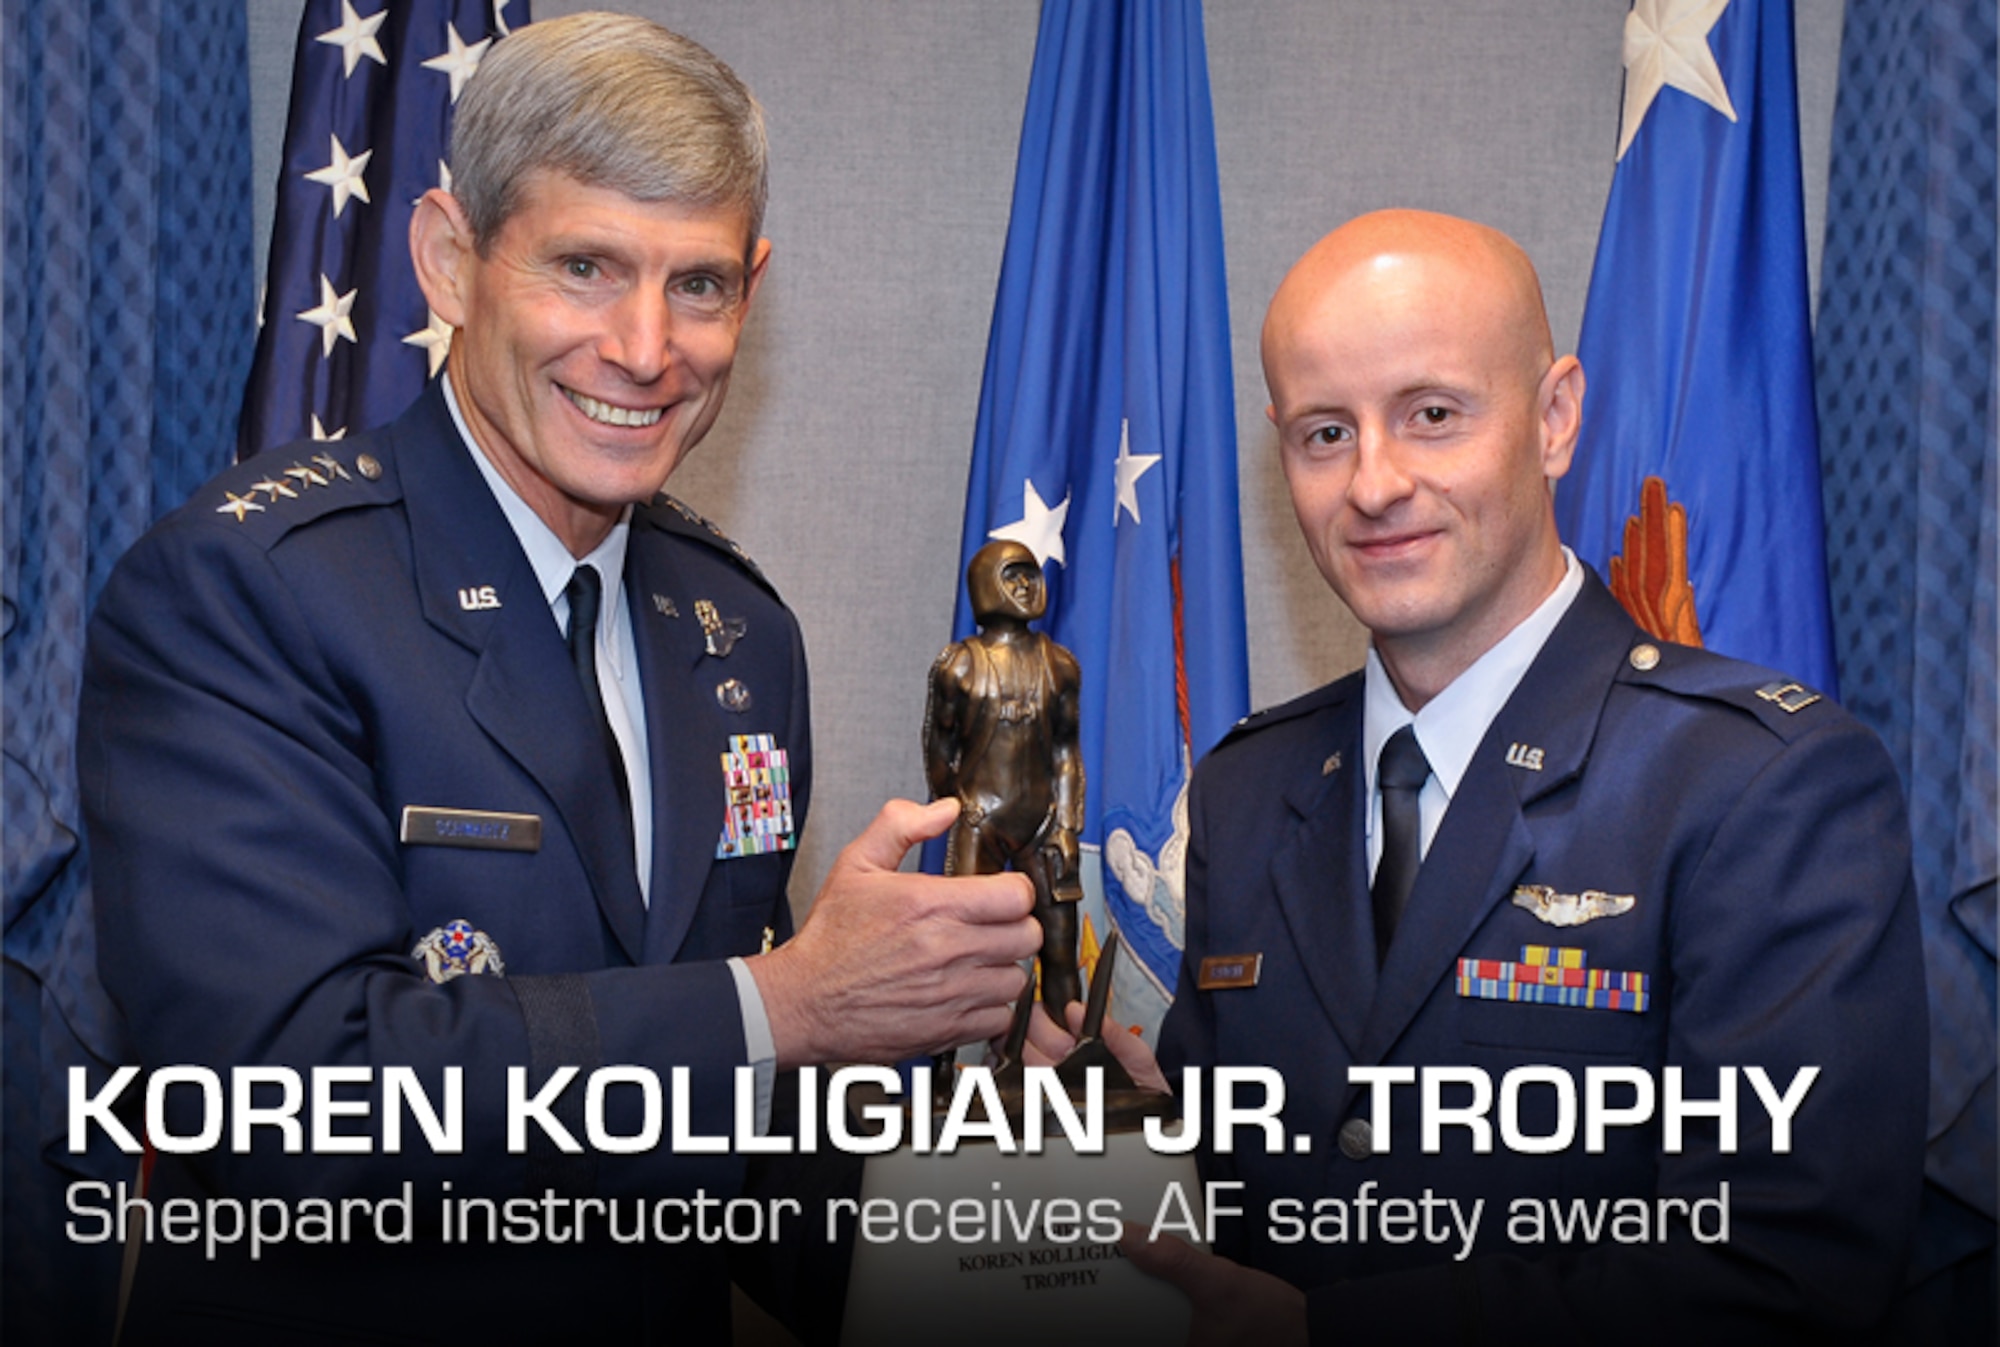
840,461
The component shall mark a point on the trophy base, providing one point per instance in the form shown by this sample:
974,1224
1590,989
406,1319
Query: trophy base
978,1254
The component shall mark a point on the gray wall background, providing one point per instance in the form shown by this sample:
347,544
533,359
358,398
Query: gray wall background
840,461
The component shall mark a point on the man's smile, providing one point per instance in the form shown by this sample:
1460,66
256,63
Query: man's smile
605,413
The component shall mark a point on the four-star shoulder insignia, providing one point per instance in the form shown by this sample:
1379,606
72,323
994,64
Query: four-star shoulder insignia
292,483
727,543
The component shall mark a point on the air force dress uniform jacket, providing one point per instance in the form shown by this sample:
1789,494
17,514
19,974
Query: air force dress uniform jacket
1759,834
328,636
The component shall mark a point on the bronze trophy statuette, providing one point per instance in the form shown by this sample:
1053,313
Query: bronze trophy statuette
1001,734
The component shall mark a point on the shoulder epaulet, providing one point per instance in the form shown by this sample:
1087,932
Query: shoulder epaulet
280,489
676,516
1785,706
1299,706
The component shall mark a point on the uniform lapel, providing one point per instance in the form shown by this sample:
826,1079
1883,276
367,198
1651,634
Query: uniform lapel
1484,845
1320,875
523,691
683,736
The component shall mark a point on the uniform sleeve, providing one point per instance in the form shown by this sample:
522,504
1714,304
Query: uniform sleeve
1793,944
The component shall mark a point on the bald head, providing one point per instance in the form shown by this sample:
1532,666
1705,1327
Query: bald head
1475,270
1422,417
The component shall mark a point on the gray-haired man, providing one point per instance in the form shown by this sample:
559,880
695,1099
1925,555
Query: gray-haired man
454,748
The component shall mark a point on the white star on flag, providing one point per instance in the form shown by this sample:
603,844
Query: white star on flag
459,61
1039,528
356,37
435,338
320,432
343,175
332,315
1666,46
500,17
1131,467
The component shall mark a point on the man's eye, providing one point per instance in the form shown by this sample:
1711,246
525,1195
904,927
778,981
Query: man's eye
702,293
1327,435
1434,416
579,268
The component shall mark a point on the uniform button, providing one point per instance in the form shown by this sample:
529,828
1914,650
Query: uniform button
368,467
1644,656
1357,1139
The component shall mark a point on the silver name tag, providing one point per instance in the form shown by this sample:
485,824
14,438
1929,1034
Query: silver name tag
427,827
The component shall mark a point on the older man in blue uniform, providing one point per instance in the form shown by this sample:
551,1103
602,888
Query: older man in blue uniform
1528,834
458,747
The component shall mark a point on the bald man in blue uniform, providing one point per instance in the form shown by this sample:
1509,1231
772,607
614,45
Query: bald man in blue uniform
1528,835
459,747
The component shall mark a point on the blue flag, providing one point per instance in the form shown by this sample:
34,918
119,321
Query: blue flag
1106,442
1696,487
347,341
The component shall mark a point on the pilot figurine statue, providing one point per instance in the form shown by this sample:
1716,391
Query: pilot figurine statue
1000,734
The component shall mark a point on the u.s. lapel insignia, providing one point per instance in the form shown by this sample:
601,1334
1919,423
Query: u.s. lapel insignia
665,606
757,779
455,949
721,633
1522,755
1570,909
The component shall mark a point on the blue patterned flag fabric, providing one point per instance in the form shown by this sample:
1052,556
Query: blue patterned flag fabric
1106,443
347,341
1696,487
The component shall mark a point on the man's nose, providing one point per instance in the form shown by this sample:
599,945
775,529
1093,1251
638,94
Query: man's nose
640,337
1380,478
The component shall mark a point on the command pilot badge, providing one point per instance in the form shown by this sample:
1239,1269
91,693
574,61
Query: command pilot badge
455,949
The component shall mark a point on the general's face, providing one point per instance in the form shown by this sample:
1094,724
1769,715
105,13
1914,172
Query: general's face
595,339
1419,443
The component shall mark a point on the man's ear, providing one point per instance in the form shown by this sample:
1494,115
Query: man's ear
1559,402
441,249
760,258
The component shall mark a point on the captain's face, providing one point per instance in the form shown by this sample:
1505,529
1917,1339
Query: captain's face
595,340
1419,463
1021,583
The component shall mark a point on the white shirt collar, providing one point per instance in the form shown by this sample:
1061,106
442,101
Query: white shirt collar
546,552
1451,724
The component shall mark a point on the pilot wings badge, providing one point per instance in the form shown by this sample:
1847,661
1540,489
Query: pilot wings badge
1570,909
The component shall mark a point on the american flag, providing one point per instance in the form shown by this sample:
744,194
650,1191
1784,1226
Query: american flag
346,340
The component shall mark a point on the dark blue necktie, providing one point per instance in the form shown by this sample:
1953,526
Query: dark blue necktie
585,593
1400,774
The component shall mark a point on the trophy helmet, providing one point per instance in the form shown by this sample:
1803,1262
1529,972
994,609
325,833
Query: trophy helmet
1005,581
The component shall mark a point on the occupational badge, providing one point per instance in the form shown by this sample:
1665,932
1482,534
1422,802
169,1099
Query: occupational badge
455,949
1570,909
719,634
